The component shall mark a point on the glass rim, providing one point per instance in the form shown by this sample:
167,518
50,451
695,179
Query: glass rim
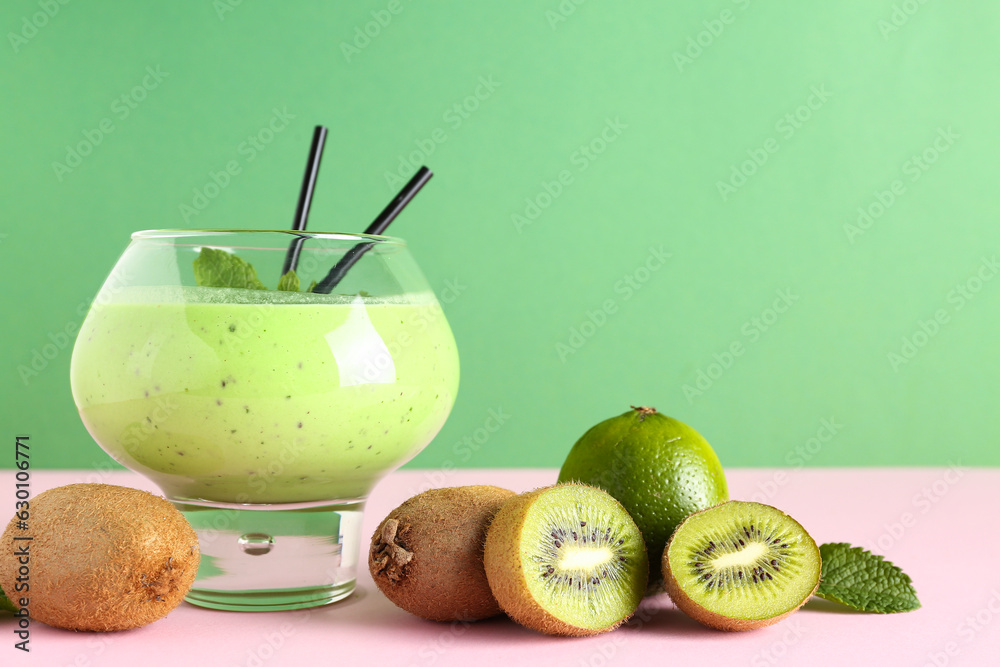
288,233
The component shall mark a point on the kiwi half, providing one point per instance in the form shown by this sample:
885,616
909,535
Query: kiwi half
427,555
566,560
740,565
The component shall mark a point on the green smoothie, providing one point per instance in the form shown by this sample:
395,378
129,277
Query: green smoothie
248,396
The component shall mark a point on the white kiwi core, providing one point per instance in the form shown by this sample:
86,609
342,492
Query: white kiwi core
581,558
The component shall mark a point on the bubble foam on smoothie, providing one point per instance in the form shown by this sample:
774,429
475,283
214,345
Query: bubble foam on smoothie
228,295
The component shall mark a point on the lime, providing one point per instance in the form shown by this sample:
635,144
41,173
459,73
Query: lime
661,470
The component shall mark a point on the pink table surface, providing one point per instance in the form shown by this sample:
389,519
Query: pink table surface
926,520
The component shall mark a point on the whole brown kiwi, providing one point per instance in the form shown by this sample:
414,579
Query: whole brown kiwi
99,557
427,555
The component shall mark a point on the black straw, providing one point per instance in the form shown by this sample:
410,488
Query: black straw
305,197
397,205
378,226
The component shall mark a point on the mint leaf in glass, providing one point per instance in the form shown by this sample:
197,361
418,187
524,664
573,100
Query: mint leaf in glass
6,604
217,268
864,581
289,282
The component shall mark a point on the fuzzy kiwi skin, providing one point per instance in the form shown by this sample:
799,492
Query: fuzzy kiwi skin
502,559
102,557
710,618
426,556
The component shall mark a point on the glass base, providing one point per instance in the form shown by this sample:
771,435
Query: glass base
265,558
269,600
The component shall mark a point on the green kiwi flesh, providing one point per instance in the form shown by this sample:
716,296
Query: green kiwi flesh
566,560
740,565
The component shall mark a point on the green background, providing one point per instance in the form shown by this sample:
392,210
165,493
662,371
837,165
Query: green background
618,123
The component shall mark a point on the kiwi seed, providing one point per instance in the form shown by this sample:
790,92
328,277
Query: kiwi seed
101,557
566,560
427,555
740,566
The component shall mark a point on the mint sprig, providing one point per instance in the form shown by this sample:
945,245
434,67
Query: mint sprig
864,581
289,282
217,268
6,604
